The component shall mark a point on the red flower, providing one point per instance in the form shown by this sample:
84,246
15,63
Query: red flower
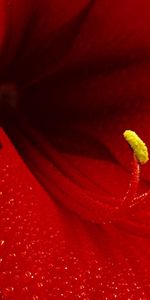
81,69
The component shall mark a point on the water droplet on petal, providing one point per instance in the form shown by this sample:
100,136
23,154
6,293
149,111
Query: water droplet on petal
2,242
8,292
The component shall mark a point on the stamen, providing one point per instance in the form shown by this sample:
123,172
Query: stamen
138,146
140,157
134,182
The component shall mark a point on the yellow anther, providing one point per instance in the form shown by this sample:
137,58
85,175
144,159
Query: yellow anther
138,146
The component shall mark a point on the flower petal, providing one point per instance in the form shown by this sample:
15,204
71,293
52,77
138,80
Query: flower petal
48,252
50,27
83,41
17,16
2,22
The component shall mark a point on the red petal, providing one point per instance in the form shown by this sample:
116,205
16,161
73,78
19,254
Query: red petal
2,22
48,252
50,28
17,15
86,36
